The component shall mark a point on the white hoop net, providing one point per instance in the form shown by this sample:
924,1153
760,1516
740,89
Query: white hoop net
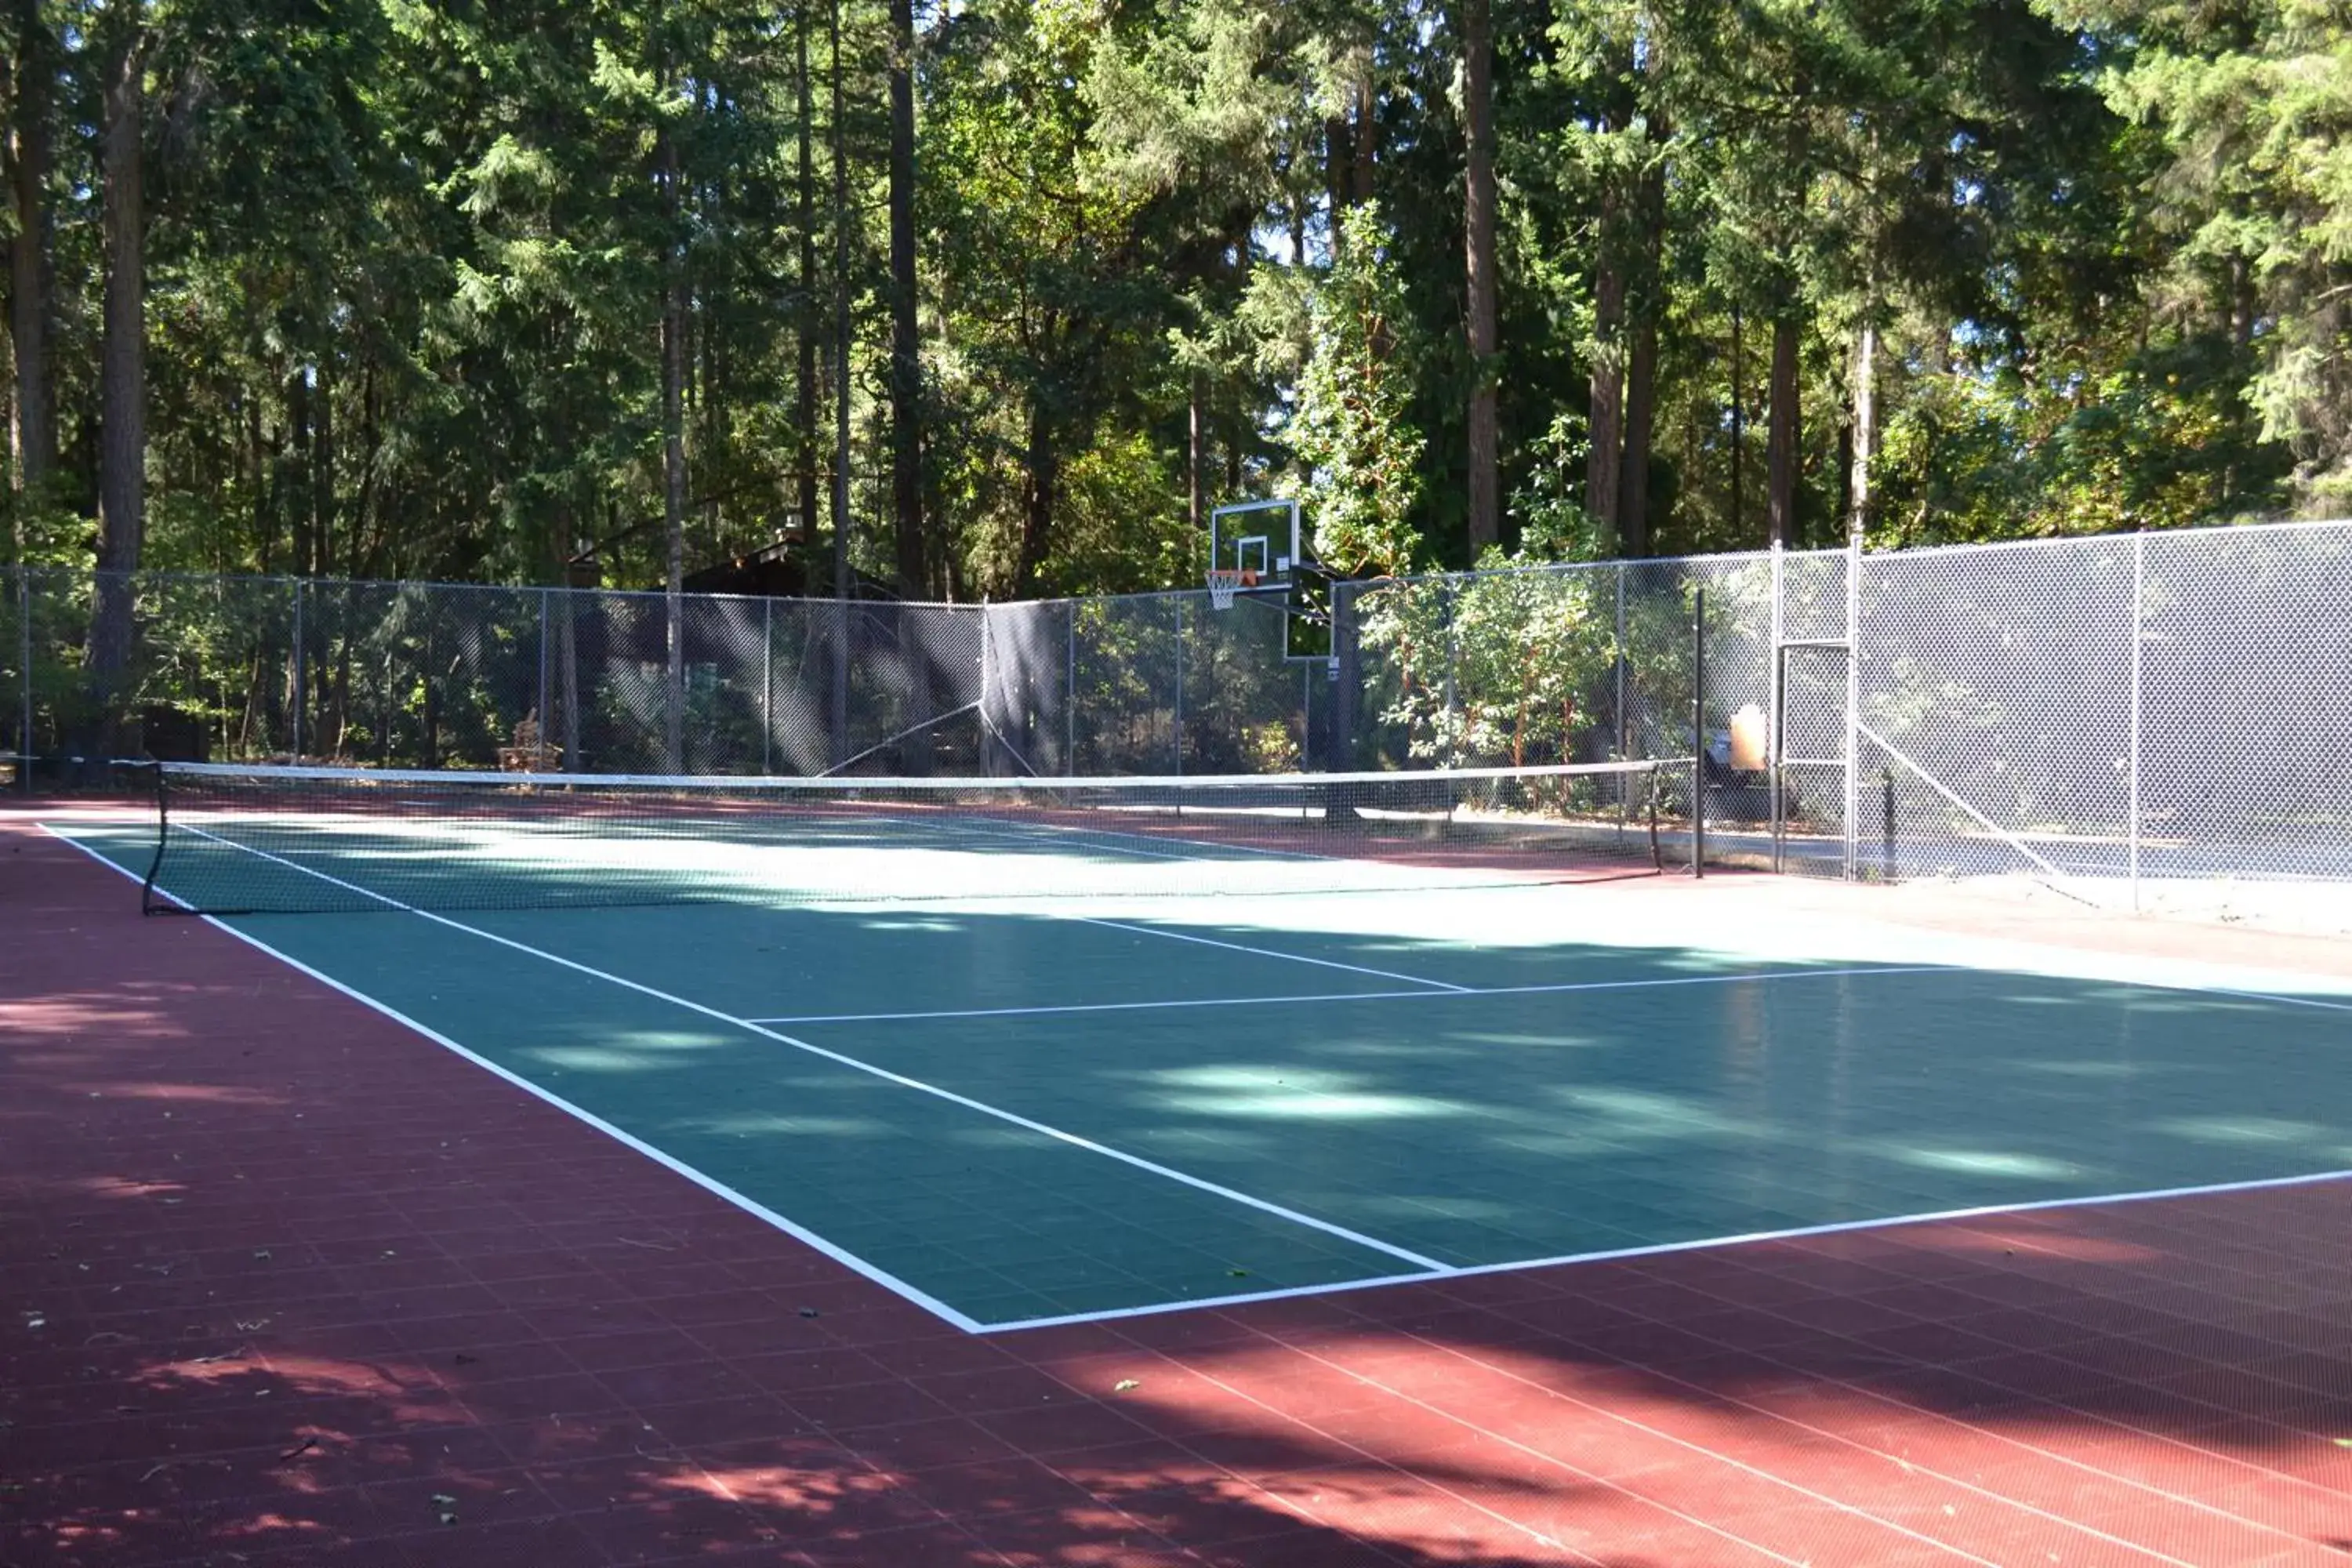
1225,582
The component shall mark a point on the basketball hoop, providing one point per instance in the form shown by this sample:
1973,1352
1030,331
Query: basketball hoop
1225,582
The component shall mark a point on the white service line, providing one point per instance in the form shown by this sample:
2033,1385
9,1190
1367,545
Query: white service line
1459,991
883,1278
1268,952
1429,1264
1798,1233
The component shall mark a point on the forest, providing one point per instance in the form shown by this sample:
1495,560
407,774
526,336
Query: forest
994,298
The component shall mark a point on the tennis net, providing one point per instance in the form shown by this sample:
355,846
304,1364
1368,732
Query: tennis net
249,840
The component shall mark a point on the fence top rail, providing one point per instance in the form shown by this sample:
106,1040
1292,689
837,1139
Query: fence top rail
28,574
437,585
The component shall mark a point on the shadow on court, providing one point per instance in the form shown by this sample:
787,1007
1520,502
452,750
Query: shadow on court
284,1283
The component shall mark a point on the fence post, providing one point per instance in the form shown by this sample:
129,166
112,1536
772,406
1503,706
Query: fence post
1774,745
1624,724
1346,668
1853,846
1178,602
2138,646
25,677
301,692
546,663
1070,685
1453,674
838,712
1698,734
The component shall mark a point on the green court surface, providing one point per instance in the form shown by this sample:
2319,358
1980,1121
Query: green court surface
1026,1113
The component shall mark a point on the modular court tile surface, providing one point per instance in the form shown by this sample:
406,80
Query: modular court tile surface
285,1273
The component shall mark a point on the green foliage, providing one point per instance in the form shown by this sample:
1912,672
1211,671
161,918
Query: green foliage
1353,429
2251,107
407,268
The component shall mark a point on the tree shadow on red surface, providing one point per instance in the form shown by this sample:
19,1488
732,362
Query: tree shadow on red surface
279,1284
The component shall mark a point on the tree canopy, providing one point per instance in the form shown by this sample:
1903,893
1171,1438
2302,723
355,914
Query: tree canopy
517,291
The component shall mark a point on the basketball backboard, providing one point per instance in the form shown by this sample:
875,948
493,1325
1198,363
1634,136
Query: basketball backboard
1260,537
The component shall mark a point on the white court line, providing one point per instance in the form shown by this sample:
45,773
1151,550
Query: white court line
846,1260
1466,1271
1268,953
2267,997
1429,1264
1445,996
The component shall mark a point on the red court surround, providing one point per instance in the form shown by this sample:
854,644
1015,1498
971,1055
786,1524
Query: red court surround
281,1282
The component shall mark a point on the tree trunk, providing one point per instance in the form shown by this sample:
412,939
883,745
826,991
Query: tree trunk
905,347
805,318
122,387
673,351
839,733
1866,430
1641,415
1367,139
1044,486
1338,184
34,444
1478,212
1647,302
1602,468
1780,447
1738,421
322,479
1196,453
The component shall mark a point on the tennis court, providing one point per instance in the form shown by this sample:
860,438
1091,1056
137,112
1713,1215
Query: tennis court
1135,1174
1024,1066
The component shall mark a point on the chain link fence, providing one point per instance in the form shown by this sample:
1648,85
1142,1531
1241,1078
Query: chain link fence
2154,721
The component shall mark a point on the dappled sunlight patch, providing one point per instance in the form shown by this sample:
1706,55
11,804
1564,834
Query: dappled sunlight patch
2006,1163
1640,1114
603,1059
1523,1042
1311,1106
2246,1131
1288,1093
86,1535
193,1094
2111,1071
2000,1243
123,1187
249,1526
801,1488
761,1126
87,1015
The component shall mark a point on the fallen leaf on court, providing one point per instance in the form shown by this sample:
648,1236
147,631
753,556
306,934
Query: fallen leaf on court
1124,1383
